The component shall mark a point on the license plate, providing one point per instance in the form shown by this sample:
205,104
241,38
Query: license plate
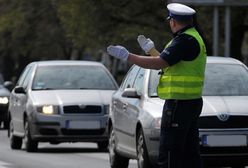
224,140
83,125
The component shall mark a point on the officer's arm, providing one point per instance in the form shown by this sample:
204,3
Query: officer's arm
154,62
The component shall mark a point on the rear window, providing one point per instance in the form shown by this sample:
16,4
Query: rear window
72,77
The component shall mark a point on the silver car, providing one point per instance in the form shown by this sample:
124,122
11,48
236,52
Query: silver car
136,110
61,101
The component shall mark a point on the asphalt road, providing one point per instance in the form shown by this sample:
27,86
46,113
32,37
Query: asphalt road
64,155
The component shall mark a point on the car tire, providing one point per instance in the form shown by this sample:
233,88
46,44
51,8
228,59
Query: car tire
30,145
116,160
142,154
15,141
102,145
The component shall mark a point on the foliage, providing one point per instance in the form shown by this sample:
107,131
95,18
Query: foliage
67,29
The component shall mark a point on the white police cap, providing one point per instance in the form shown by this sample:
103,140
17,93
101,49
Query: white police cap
180,11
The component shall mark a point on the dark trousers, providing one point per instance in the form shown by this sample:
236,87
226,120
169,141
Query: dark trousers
179,139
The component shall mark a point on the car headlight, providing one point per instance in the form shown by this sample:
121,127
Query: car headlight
48,109
4,100
156,123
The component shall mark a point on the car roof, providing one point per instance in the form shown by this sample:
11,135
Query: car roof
66,62
225,60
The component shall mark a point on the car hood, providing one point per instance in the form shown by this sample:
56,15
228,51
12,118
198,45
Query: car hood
212,105
233,105
4,92
70,97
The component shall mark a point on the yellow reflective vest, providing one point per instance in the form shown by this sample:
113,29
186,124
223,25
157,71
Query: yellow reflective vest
185,79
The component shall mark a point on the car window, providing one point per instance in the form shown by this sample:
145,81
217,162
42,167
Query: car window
139,81
23,75
72,77
128,81
225,80
153,83
27,78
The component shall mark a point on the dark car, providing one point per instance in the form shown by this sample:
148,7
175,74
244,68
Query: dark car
136,110
4,101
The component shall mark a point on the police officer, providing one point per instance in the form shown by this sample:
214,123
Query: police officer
181,83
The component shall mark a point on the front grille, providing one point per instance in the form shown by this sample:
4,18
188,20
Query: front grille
82,132
88,109
48,131
223,150
4,108
214,122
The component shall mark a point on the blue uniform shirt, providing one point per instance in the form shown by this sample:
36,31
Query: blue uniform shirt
183,47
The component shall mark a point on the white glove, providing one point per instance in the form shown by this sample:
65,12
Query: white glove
145,43
118,52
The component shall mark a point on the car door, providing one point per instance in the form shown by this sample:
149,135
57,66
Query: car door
20,100
132,110
120,114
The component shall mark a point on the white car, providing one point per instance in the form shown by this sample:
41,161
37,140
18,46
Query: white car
136,110
61,101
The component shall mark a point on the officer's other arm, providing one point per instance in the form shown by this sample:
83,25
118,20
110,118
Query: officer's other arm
154,52
147,45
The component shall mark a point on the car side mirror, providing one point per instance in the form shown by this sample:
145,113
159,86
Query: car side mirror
19,90
130,93
9,85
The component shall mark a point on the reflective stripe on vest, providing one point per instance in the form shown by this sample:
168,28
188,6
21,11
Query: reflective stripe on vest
185,79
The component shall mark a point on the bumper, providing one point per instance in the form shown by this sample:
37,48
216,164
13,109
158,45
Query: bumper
212,156
152,144
230,156
223,151
69,128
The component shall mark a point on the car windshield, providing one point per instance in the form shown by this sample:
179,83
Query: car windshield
72,77
225,80
220,80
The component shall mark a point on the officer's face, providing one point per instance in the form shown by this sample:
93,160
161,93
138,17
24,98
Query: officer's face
172,25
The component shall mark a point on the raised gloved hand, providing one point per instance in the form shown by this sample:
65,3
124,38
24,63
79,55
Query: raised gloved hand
119,52
145,43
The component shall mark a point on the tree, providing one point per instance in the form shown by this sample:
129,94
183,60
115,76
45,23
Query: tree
67,29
